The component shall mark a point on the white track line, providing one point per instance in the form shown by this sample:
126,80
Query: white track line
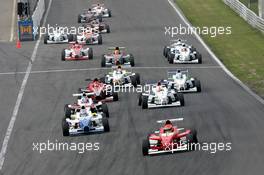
94,69
180,13
13,21
20,96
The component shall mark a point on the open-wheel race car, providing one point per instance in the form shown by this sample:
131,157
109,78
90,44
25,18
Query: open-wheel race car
101,27
169,139
120,78
160,95
182,82
89,15
89,37
180,52
117,56
76,52
102,10
85,119
58,37
99,91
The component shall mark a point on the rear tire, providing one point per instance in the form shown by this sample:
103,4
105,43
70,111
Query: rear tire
140,99
181,98
103,61
65,128
115,96
46,38
132,60
67,111
100,39
144,102
192,138
171,58
109,13
165,51
105,124
107,28
145,147
79,18
90,54
133,81
138,78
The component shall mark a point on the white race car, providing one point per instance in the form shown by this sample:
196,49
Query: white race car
179,52
100,9
84,120
58,37
90,38
121,78
160,95
182,82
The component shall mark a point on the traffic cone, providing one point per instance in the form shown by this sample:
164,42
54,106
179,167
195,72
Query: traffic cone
18,44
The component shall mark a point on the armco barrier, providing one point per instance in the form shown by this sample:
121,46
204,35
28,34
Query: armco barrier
37,15
248,15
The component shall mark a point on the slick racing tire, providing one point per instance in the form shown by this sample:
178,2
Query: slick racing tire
197,84
144,102
72,37
46,38
100,18
165,51
105,124
103,61
137,78
192,138
107,27
63,55
199,57
65,128
100,39
133,81
180,97
109,13
90,53
67,111
132,60
145,147
170,58
115,96
140,99
79,18
105,110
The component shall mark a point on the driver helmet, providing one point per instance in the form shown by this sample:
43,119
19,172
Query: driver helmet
83,111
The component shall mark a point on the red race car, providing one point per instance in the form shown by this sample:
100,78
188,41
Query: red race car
99,91
76,52
169,139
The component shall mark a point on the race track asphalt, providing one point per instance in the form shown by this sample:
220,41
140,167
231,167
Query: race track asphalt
223,112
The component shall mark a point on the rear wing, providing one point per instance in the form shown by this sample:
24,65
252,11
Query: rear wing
170,73
172,120
94,5
113,48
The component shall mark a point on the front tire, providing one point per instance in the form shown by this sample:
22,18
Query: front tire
105,124
103,61
63,55
145,147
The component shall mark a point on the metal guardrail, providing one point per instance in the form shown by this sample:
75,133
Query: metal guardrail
248,15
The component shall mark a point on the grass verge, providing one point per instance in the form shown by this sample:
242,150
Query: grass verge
242,52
